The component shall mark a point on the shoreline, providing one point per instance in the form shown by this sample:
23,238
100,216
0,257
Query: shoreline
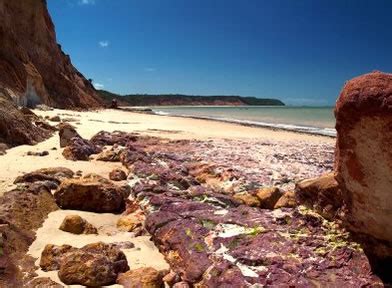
296,128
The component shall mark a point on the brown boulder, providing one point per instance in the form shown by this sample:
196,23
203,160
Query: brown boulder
117,175
51,256
95,264
94,196
321,194
363,161
268,197
77,225
141,278
66,133
84,268
110,155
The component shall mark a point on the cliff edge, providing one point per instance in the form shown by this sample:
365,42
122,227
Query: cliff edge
33,68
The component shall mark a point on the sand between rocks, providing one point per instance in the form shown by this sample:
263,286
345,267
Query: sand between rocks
144,254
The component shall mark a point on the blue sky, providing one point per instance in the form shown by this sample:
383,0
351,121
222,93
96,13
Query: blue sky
300,51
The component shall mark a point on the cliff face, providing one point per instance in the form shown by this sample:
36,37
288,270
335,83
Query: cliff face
33,67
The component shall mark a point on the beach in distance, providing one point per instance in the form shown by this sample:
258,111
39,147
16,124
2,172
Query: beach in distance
312,120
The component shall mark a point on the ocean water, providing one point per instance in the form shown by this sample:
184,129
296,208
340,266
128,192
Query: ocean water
313,120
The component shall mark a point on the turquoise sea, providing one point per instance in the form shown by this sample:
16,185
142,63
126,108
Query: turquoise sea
313,120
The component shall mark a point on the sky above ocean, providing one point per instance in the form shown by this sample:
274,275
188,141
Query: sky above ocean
299,51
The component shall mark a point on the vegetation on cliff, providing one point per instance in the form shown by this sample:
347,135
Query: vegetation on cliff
179,99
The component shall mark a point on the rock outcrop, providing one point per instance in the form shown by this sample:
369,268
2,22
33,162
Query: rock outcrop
364,155
33,67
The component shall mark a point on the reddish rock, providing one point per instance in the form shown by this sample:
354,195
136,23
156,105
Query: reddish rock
141,278
80,149
117,175
88,195
363,153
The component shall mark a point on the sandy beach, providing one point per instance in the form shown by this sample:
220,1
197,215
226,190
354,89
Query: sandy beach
256,155
16,161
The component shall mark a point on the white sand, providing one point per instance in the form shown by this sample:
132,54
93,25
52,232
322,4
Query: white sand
144,254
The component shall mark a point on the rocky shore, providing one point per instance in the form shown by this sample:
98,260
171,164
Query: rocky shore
216,216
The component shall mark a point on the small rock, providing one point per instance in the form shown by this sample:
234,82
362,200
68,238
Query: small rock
247,199
117,175
181,284
77,225
321,194
55,118
171,278
286,201
268,197
40,154
43,282
141,278
130,222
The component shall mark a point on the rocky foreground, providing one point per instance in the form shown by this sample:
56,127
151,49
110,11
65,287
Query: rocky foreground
220,217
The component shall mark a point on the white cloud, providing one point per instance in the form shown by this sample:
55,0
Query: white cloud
150,69
99,86
104,44
86,2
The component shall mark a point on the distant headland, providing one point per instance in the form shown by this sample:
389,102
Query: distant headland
180,99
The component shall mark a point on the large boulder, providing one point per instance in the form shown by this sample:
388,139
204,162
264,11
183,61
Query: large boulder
364,155
90,195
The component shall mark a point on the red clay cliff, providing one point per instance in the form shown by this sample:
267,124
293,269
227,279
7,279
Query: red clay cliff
33,67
